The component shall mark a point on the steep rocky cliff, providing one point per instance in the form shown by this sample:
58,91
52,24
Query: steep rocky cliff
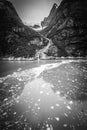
65,29
68,28
48,20
16,39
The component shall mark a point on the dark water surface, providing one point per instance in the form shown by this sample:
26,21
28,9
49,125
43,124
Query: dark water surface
43,95
8,67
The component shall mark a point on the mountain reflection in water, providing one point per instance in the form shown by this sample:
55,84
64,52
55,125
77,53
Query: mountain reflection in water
49,97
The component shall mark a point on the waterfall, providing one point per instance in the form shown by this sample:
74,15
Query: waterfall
40,54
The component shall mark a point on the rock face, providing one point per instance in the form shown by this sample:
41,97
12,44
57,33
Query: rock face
36,26
15,37
68,28
65,27
47,20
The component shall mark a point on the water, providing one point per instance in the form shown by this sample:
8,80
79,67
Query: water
8,67
43,95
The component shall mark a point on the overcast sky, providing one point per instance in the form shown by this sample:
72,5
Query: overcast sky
33,11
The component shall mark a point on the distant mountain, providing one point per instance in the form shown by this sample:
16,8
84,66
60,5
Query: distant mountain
67,28
36,26
16,39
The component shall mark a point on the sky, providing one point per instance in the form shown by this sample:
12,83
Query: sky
33,11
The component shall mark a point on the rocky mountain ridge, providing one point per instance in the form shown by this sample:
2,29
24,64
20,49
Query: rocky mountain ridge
65,32
48,19
16,39
68,28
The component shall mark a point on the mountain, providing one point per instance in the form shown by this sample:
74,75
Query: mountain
67,28
64,32
48,19
16,39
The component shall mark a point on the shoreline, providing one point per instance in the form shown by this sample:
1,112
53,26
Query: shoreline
36,59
